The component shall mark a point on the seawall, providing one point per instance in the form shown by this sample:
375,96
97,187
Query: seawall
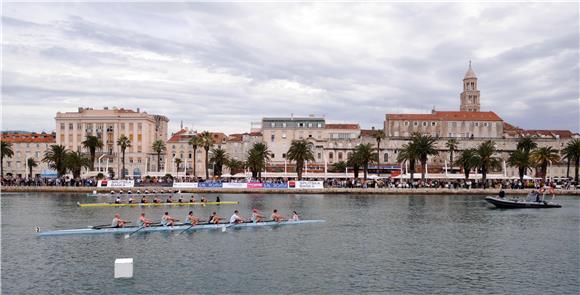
359,191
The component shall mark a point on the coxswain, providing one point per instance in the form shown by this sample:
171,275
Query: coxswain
276,216
167,220
191,219
118,200
256,216
236,218
294,216
214,218
144,222
169,200
117,221
130,201
144,200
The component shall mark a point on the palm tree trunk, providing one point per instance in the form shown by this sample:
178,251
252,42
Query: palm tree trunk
194,162
158,161
484,177
451,160
206,164
92,151
365,170
544,171
466,172
299,170
568,168
423,163
2,166
123,166
30,171
522,172
412,168
576,168
378,154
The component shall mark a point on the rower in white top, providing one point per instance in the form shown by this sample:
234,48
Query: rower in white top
294,216
236,218
117,221
118,200
167,220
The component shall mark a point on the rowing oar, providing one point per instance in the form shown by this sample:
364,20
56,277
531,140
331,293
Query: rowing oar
192,225
129,235
102,226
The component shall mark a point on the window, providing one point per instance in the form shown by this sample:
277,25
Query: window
61,126
406,123
283,156
476,124
396,124
272,137
300,124
70,126
433,123
284,124
309,125
319,125
272,124
273,156
319,155
415,123
139,137
330,155
339,156
424,124
139,126
485,124
385,157
453,124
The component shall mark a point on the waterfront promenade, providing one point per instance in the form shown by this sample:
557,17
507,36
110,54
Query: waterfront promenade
358,191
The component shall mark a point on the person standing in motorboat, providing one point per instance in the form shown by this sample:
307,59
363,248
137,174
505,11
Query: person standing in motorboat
501,194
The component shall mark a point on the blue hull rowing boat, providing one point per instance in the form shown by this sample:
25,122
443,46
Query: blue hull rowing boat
130,229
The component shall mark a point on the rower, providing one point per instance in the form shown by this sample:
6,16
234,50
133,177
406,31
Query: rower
129,192
191,219
256,216
276,216
117,221
294,216
167,220
192,200
180,200
236,218
214,218
169,200
203,200
144,200
144,222
156,200
217,199
112,193
118,200
130,201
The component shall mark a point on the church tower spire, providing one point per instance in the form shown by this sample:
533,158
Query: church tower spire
470,94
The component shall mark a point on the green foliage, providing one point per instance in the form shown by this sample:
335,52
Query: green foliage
219,158
300,151
92,143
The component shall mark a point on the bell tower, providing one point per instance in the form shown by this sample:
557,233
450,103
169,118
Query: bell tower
470,94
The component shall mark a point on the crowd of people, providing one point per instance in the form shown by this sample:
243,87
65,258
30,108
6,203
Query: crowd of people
328,183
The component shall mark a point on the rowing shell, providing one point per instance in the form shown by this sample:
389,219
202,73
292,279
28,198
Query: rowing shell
127,230
156,204
135,194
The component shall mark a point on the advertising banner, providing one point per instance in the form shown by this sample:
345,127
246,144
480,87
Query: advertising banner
120,183
275,185
185,184
306,184
255,185
234,185
210,184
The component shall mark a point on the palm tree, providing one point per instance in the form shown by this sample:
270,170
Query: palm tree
467,160
425,147
258,157
92,143
365,156
542,156
572,153
379,135
195,142
207,141
55,157
75,161
158,147
452,145
123,142
5,152
486,159
409,154
177,164
520,159
31,163
219,157
300,151
526,144
340,166
354,161
235,166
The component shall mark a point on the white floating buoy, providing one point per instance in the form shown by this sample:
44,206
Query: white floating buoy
94,192
123,268
223,228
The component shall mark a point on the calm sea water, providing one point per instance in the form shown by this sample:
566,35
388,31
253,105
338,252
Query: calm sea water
394,244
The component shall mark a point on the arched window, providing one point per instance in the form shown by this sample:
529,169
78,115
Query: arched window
330,155
339,156
385,157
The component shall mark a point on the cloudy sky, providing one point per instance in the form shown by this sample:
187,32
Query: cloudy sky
222,66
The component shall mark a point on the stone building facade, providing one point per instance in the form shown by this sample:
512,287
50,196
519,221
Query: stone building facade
109,124
27,145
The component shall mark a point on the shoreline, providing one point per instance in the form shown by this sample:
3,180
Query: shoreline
357,191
